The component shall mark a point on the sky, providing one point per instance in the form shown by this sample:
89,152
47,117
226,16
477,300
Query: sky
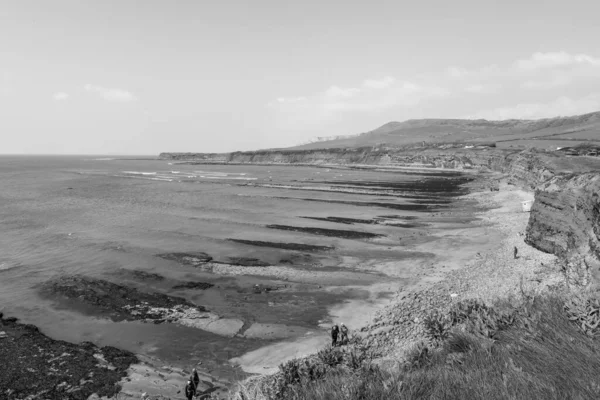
147,76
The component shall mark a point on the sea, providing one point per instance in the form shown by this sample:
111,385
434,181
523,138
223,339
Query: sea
100,216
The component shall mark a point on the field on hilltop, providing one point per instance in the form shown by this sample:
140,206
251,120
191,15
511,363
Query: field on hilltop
546,133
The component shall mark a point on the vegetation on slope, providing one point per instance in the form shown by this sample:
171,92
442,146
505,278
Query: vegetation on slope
534,348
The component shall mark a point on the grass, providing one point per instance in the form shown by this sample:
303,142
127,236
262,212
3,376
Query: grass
541,348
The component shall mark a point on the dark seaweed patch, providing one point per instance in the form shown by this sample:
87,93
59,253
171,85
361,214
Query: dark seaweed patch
350,221
284,246
425,185
326,232
115,300
247,262
356,190
36,365
343,220
403,217
143,275
431,201
403,207
195,259
194,285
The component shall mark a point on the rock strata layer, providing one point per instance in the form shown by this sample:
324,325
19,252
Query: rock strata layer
565,221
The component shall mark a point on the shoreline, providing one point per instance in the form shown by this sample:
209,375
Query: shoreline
376,316
409,277
157,377
486,270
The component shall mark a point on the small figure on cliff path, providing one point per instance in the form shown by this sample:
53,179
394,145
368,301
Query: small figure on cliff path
516,253
344,334
189,390
334,335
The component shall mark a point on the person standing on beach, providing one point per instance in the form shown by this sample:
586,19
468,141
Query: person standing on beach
344,334
189,390
516,253
195,379
334,334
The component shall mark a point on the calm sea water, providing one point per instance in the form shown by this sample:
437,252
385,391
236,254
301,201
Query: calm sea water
96,215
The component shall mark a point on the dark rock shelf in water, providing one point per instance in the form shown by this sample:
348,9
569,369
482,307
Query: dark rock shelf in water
428,185
117,301
327,232
284,246
194,259
395,206
194,285
247,262
141,275
343,220
36,365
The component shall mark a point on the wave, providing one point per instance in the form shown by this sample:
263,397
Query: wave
229,177
139,173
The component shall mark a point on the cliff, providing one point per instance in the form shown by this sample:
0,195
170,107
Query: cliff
444,155
565,221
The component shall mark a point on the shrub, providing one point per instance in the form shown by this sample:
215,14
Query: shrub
437,326
331,356
475,316
584,311
417,356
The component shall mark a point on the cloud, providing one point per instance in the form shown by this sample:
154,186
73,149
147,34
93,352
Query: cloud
290,99
111,94
372,95
379,84
554,81
561,106
336,92
483,88
457,72
554,60
60,96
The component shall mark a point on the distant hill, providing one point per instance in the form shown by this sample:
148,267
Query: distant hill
542,133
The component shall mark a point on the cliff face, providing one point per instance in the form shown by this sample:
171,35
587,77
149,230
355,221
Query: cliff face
565,220
444,156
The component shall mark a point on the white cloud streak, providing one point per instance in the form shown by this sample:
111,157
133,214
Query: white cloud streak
371,96
111,94
60,96
562,106
555,59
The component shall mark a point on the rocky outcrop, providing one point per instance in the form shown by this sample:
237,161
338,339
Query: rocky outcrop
565,221
120,303
35,366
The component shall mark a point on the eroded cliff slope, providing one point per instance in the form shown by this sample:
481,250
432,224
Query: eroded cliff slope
565,220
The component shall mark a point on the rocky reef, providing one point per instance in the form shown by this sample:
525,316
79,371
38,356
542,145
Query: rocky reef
36,366
120,303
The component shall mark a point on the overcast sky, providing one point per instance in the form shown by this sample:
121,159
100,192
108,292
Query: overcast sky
141,77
